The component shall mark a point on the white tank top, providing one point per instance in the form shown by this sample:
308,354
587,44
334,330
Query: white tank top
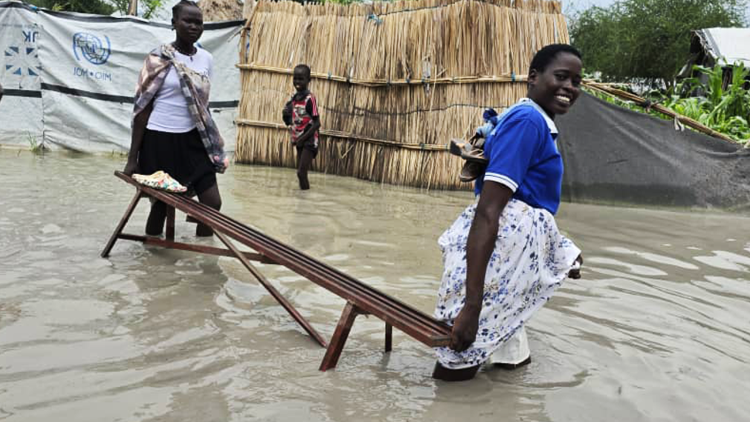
170,113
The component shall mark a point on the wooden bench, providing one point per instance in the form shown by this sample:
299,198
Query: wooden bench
360,298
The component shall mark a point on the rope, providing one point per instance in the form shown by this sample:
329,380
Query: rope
335,134
624,95
512,78
358,111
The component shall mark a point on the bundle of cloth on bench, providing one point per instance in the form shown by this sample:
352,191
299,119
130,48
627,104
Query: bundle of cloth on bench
361,299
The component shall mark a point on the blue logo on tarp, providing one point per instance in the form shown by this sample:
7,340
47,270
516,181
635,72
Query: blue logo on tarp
22,61
91,48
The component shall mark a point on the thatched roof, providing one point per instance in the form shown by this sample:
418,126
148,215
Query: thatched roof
221,10
394,81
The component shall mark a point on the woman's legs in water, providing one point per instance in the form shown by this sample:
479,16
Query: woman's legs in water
158,214
512,354
304,161
465,374
156,217
212,198
445,374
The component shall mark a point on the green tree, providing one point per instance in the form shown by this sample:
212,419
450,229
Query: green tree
647,40
97,7
147,8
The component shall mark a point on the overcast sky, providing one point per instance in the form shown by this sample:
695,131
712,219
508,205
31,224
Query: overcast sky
583,4
571,6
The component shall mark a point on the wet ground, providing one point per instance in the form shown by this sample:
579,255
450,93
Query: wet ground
657,330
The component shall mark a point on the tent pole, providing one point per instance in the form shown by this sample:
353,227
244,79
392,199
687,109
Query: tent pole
133,8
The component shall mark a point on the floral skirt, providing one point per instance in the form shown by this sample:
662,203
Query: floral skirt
530,260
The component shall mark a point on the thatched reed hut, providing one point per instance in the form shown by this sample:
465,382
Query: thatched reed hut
394,81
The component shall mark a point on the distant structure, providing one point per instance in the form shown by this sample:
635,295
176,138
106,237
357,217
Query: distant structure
711,46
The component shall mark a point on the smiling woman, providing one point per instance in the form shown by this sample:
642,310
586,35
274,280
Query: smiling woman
172,129
504,255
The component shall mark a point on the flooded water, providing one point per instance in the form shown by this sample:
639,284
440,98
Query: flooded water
657,329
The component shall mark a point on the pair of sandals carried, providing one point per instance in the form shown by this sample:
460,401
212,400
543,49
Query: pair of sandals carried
473,150
161,181
473,153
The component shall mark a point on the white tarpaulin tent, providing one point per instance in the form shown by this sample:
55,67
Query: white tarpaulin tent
69,78
728,45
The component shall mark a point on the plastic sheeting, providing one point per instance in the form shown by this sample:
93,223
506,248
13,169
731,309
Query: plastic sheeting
21,107
614,155
730,45
69,78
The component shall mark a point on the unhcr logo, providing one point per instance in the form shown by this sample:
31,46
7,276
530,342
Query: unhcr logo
91,48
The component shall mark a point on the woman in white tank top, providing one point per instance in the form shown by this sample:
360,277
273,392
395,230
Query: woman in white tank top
168,134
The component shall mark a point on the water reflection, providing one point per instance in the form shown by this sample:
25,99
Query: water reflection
656,331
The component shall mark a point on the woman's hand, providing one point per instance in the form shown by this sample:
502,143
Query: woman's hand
136,139
465,328
575,272
130,168
479,247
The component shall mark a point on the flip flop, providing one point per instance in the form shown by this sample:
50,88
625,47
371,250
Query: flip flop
160,180
467,151
470,171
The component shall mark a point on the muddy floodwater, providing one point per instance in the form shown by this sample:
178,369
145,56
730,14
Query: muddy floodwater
658,328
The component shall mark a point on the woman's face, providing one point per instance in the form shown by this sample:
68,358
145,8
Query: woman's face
188,24
558,86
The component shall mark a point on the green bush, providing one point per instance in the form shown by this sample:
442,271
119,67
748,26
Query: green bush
647,40
725,110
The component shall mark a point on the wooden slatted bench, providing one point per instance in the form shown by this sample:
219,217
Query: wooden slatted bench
360,298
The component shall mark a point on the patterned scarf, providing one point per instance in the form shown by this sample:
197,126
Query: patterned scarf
195,88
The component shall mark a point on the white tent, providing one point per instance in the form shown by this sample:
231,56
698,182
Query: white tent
69,78
728,45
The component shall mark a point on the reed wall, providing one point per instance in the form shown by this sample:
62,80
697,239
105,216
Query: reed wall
395,81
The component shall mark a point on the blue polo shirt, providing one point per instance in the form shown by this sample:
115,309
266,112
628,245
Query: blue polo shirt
523,156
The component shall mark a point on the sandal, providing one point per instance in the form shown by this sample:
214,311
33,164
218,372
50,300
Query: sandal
475,163
160,180
470,171
468,152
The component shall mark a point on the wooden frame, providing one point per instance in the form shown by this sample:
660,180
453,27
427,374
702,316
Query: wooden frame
361,298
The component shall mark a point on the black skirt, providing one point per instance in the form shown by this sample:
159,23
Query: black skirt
182,155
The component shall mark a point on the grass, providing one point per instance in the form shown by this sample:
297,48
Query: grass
35,146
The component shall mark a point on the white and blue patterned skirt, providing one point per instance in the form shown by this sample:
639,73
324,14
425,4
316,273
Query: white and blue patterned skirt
530,260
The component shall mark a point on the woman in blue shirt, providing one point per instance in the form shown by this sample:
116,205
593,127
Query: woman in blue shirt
504,255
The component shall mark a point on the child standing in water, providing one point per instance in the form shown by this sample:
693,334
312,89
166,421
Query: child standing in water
301,114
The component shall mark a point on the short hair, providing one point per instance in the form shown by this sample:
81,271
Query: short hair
544,57
305,68
177,8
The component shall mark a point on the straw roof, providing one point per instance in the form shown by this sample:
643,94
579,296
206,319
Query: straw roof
394,81
221,10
